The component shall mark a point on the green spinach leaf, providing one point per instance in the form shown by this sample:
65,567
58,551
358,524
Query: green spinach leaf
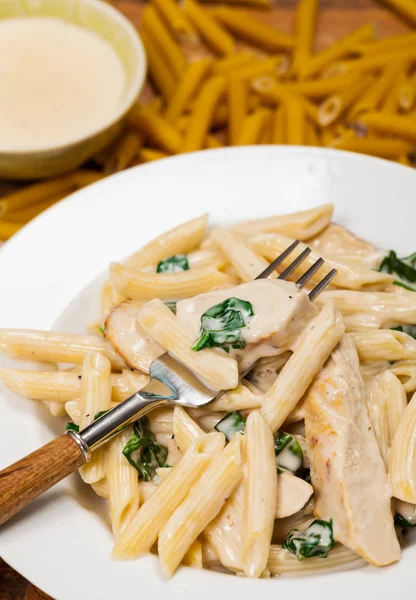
402,522
316,541
232,423
404,268
173,264
288,451
143,452
221,325
71,427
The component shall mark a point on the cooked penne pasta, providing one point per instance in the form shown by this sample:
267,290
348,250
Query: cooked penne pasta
140,285
144,528
260,493
301,225
384,344
211,32
95,397
185,429
201,506
405,371
351,277
50,346
187,88
239,398
314,347
396,400
193,557
123,483
247,263
377,411
249,29
402,456
218,370
282,562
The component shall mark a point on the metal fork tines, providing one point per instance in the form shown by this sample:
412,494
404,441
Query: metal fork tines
302,281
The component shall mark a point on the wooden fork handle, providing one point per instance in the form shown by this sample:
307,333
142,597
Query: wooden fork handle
33,475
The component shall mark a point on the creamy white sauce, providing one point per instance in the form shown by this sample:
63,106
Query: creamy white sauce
58,82
281,311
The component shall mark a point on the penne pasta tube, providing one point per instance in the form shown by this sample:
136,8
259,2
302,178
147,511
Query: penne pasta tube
296,133
321,88
402,126
147,121
332,109
185,429
284,563
402,460
260,493
376,93
202,114
203,503
218,370
193,557
375,309
312,136
51,346
27,214
387,44
158,33
405,371
390,148
217,38
179,240
352,277
63,386
175,19
251,30
228,65
316,344
273,92
240,398
406,93
101,488
377,411
124,152
301,225
224,533
279,126
340,49
146,155
142,531
252,3
396,400
123,483
404,7
253,127
187,88
109,298
305,25
161,74
95,397
384,344
246,262
141,285
8,229
211,141
378,61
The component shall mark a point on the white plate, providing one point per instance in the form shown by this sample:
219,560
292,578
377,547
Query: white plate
62,543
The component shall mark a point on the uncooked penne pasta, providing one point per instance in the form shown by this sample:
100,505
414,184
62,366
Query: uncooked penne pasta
185,429
247,263
155,29
201,506
124,152
95,397
296,123
283,563
253,127
402,460
179,240
260,493
159,71
187,88
176,20
384,344
51,346
144,528
305,24
147,121
123,483
63,386
389,148
333,108
211,32
402,126
316,344
218,370
139,285
301,225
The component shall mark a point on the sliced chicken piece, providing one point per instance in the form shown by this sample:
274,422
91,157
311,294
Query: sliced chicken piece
129,339
292,495
347,470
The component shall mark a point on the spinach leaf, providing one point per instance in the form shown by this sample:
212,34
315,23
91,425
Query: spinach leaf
100,413
221,325
143,452
316,541
71,427
171,304
232,423
403,267
102,330
409,329
402,522
289,455
173,264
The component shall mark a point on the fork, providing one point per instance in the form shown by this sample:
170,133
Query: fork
25,480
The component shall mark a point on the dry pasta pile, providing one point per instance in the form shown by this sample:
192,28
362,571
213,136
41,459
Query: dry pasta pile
255,85
306,464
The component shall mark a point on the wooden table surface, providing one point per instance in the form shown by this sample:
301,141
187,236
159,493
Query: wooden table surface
336,19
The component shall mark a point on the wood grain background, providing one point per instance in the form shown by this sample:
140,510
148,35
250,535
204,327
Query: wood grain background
336,19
